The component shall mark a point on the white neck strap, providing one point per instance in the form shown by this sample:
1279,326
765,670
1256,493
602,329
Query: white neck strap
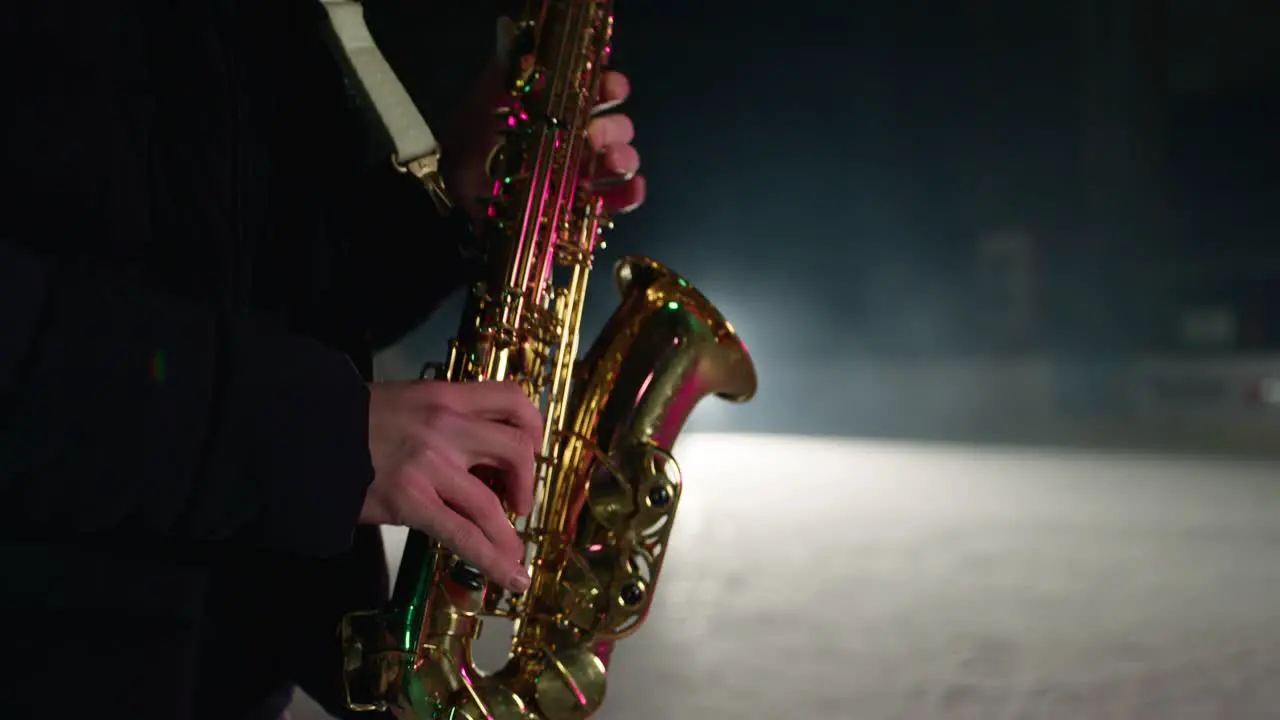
405,127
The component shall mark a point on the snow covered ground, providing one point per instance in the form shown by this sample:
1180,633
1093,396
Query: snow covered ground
907,581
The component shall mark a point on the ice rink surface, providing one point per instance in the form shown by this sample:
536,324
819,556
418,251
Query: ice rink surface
814,578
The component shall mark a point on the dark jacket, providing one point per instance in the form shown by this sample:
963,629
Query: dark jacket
201,245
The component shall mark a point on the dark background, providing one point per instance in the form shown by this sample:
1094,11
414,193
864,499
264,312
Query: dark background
1083,183
861,161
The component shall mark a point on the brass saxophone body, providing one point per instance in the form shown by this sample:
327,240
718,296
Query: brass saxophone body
607,483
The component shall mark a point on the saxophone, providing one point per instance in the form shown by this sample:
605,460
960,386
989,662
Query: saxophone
607,483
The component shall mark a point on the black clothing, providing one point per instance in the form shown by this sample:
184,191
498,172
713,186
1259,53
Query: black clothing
200,247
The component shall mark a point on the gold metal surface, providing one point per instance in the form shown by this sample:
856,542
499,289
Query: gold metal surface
607,484
427,170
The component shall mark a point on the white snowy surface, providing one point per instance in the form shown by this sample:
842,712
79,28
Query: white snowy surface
817,578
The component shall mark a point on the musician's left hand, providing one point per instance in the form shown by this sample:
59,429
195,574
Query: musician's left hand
617,175
616,178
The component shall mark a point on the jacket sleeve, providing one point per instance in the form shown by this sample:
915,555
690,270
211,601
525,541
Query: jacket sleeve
411,261
409,258
438,48
125,412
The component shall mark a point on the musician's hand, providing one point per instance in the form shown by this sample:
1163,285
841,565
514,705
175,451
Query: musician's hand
616,177
476,133
426,438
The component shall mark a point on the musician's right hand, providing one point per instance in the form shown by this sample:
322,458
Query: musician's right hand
426,438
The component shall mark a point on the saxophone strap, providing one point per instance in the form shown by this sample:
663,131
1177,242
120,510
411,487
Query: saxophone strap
379,90
371,76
